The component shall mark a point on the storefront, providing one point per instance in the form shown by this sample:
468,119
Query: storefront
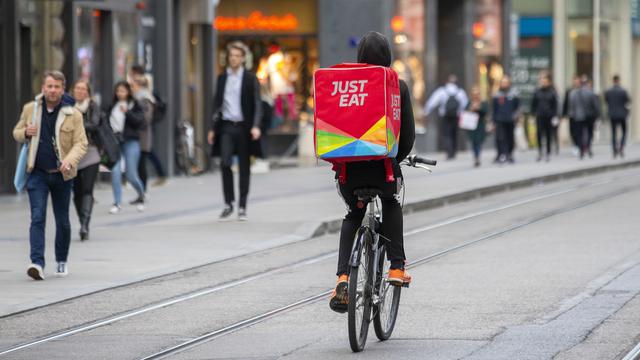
283,42
487,31
107,45
408,47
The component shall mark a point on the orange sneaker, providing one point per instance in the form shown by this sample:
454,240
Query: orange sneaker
339,301
399,277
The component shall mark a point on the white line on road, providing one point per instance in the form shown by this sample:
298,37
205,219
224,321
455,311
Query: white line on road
304,262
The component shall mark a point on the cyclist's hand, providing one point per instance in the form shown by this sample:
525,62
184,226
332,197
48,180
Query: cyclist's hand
255,133
210,137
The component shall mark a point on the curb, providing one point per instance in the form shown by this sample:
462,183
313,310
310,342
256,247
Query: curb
332,226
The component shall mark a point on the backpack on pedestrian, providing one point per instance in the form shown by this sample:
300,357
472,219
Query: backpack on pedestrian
356,115
452,106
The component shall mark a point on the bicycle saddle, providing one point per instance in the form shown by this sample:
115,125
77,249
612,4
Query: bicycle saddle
367,194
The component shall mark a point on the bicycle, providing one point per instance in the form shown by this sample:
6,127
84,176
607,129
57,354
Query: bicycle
368,288
191,156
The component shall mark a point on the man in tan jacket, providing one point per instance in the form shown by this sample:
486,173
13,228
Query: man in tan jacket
57,142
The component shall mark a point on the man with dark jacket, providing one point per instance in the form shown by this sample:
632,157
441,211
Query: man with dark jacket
584,107
238,111
565,112
617,100
506,105
544,106
374,49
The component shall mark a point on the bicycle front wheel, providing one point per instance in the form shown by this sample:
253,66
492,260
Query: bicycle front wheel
360,290
385,309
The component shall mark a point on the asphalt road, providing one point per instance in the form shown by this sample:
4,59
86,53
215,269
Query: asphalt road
548,272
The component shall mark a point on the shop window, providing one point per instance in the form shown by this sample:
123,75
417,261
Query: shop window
408,48
284,66
125,40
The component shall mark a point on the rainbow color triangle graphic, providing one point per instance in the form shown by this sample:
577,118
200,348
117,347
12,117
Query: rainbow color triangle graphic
332,142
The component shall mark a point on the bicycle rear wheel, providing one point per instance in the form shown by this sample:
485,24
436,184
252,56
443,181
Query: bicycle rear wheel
385,309
360,290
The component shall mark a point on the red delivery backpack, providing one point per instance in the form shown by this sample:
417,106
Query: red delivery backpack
357,115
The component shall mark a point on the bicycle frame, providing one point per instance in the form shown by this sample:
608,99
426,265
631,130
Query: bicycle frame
372,226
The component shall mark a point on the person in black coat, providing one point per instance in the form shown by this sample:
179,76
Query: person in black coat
617,100
126,117
236,125
506,110
573,127
544,106
374,49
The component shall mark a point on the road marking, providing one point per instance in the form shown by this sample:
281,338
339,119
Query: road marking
312,260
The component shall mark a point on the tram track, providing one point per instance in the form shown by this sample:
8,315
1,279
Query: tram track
202,339
314,259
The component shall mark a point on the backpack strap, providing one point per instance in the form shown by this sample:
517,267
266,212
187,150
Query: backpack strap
341,169
388,167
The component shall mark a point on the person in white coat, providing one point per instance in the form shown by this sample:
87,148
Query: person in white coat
450,100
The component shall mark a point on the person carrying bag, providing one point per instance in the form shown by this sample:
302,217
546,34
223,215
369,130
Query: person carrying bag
21,176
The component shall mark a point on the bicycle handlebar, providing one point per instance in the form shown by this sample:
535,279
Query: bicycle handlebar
413,160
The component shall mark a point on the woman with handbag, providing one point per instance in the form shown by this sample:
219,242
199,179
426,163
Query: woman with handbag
476,136
90,163
127,121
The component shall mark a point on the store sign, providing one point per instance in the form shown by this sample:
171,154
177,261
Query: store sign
257,21
534,57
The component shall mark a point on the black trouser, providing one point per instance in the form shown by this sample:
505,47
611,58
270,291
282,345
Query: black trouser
83,185
235,140
450,133
615,124
575,133
544,129
505,138
585,134
391,215
142,168
156,164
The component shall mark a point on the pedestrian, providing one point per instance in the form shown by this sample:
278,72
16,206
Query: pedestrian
506,106
618,101
450,100
544,106
374,49
584,107
140,88
476,137
57,143
126,118
159,113
573,129
238,111
89,165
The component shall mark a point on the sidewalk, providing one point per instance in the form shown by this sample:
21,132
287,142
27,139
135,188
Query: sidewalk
179,228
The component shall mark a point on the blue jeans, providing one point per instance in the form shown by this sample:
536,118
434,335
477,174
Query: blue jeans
39,185
131,153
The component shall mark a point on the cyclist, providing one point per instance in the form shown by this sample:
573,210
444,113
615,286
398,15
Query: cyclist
374,49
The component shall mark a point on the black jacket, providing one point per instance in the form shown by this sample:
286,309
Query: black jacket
545,102
505,106
250,103
133,121
374,49
617,100
91,120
